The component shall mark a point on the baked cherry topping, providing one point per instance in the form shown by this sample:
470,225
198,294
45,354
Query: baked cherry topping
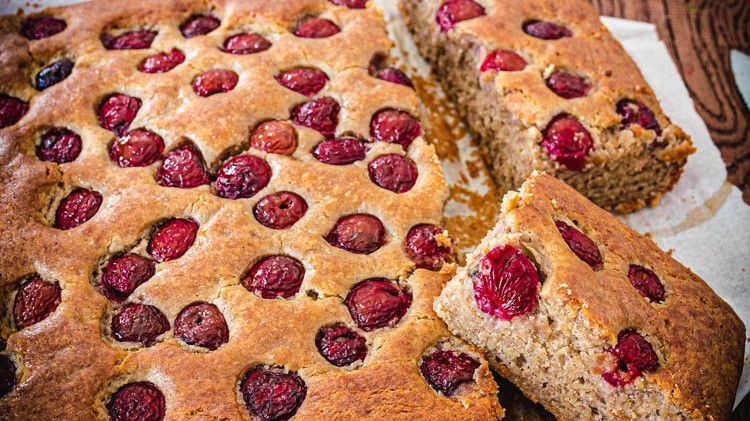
275,277
453,11
320,114
123,274
429,247
303,81
341,151
634,112
59,145
139,323
35,301
395,126
583,246
445,371
7,375
53,74
546,30
647,283
133,40
359,234
394,75
393,172
377,303
137,401
78,207
280,210
275,137
183,168
503,61
568,142
272,394
245,43
117,112
199,25
506,283
38,27
171,240
202,324
139,148
634,356
242,176
340,345
162,62
567,85
316,28
12,109
215,81
352,4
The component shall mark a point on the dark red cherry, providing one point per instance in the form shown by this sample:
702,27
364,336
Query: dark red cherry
123,274
303,81
215,81
199,25
133,40
242,176
183,168
162,62
78,207
272,393
202,324
8,378
38,27
634,112
395,126
139,323
245,43
275,277
453,11
394,75
568,142
340,151
583,246
139,148
393,172
546,30
12,109
280,210
445,371
173,239
505,283
138,401
117,112
634,355
35,301
359,234
316,28
352,4
429,246
647,283
568,85
59,145
320,114
340,345
377,303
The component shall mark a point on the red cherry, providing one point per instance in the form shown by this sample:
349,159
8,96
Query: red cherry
202,324
35,301
162,62
352,4
581,245
59,145
393,172
139,148
647,283
340,345
503,61
38,27
341,151
123,274
173,239
199,25
303,81
245,43
424,248
377,303
139,323
634,356
316,28
275,277
78,207
445,371
133,40
215,81
359,234
272,393
320,114
453,11
117,112
183,168
506,283
242,176
12,110
546,30
395,126
138,401
634,112
280,210
568,142
568,85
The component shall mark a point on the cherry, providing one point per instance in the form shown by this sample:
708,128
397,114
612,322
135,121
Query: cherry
183,168
393,172
634,112
139,148
275,277
352,4
377,303
78,207
35,301
445,371
546,30
133,40
581,245
7,375
320,114
162,62
117,112
427,249
303,81
215,81
568,85
38,27
503,61
272,393
340,345
137,401
12,109
394,75
340,151
123,274
359,234
316,28
242,176
275,137
59,145
202,324
139,323
568,142
506,283
453,11
173,239
280,210
53,74
198,25
245,43
395,126
647,283
634,356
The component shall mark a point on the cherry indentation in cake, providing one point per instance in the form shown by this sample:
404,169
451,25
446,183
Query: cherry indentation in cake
634,112
139,323
280,210
393,172
275,137
394,75
506,283
359,234
568,142
275,277
34,301
647,283
352,4
242,176
7,375
183,168
303,81
634,355
453,11
340,345
78,207
568,85
377,303
341,151
59,145
320,114
117,112
503,61
546,30
429,246
132,40
173,239
137,401
162,62
202,324
123,274
39,27
215,81
316,28
53,74
272,393
245,43
395,126
199,25
583,246
12,109
445,371
138,148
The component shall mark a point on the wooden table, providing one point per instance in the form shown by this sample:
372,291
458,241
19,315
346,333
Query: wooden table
699,35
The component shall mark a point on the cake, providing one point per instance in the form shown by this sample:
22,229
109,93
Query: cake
208,212
591,319
544,86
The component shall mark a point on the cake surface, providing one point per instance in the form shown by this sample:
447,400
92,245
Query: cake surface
545,86
208,213
591,319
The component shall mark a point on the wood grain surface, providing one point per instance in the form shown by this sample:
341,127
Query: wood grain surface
700,35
